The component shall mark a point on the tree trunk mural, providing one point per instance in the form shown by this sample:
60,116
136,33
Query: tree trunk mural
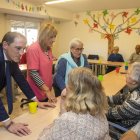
110,44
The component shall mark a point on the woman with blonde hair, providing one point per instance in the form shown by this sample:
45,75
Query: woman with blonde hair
40,62
83,108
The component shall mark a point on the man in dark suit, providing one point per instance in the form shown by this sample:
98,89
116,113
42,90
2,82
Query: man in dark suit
11,49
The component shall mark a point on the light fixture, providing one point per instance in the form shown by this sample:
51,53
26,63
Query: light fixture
51,2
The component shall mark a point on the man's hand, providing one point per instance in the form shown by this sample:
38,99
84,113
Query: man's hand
44,104
132,61
63,94
20,129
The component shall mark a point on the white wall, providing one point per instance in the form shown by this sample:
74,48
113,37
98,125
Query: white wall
93,44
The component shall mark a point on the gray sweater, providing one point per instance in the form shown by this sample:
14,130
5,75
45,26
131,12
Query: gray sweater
135,57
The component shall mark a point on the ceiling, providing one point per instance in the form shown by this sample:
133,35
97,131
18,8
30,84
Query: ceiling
90,5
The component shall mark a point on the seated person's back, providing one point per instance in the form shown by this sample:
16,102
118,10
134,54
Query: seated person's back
83,108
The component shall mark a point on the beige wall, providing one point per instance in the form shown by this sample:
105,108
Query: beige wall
2,26
93,44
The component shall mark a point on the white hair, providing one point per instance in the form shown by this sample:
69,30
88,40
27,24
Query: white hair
136,72
75,42
117,47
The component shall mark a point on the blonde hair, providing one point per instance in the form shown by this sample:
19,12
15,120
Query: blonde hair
86,93
46,32
74,42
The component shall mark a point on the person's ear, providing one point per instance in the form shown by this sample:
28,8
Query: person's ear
4,45
70,48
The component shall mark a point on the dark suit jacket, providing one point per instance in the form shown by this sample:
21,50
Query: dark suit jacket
18,77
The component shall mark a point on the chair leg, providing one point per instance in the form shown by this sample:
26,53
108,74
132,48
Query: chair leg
26,103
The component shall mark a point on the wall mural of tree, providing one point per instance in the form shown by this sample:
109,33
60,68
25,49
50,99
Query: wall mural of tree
111,31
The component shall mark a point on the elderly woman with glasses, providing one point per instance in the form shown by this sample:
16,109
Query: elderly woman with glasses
66,62
82,110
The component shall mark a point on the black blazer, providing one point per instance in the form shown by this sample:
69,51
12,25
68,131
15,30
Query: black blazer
18,77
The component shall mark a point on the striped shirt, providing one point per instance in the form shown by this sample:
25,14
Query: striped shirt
128,110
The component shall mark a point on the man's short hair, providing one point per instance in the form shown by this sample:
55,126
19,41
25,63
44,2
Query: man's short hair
10,37
137,45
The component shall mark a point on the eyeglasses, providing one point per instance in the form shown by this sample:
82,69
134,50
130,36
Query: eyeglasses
79,49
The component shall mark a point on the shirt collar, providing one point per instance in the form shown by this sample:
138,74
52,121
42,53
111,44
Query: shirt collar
134,88
5,58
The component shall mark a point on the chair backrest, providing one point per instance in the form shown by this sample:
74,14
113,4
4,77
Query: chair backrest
92,56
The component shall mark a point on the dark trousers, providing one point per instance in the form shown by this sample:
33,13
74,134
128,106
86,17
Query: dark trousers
57,90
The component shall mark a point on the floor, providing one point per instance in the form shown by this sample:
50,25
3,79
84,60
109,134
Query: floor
17,110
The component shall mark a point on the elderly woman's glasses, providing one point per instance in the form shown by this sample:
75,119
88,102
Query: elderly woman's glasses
79,49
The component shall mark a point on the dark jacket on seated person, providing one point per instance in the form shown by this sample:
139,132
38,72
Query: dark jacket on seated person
114,58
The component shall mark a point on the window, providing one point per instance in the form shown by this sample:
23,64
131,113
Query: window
28,29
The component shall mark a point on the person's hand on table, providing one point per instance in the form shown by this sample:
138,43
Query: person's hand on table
44,104
51,97
132,61
63,94
20,129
